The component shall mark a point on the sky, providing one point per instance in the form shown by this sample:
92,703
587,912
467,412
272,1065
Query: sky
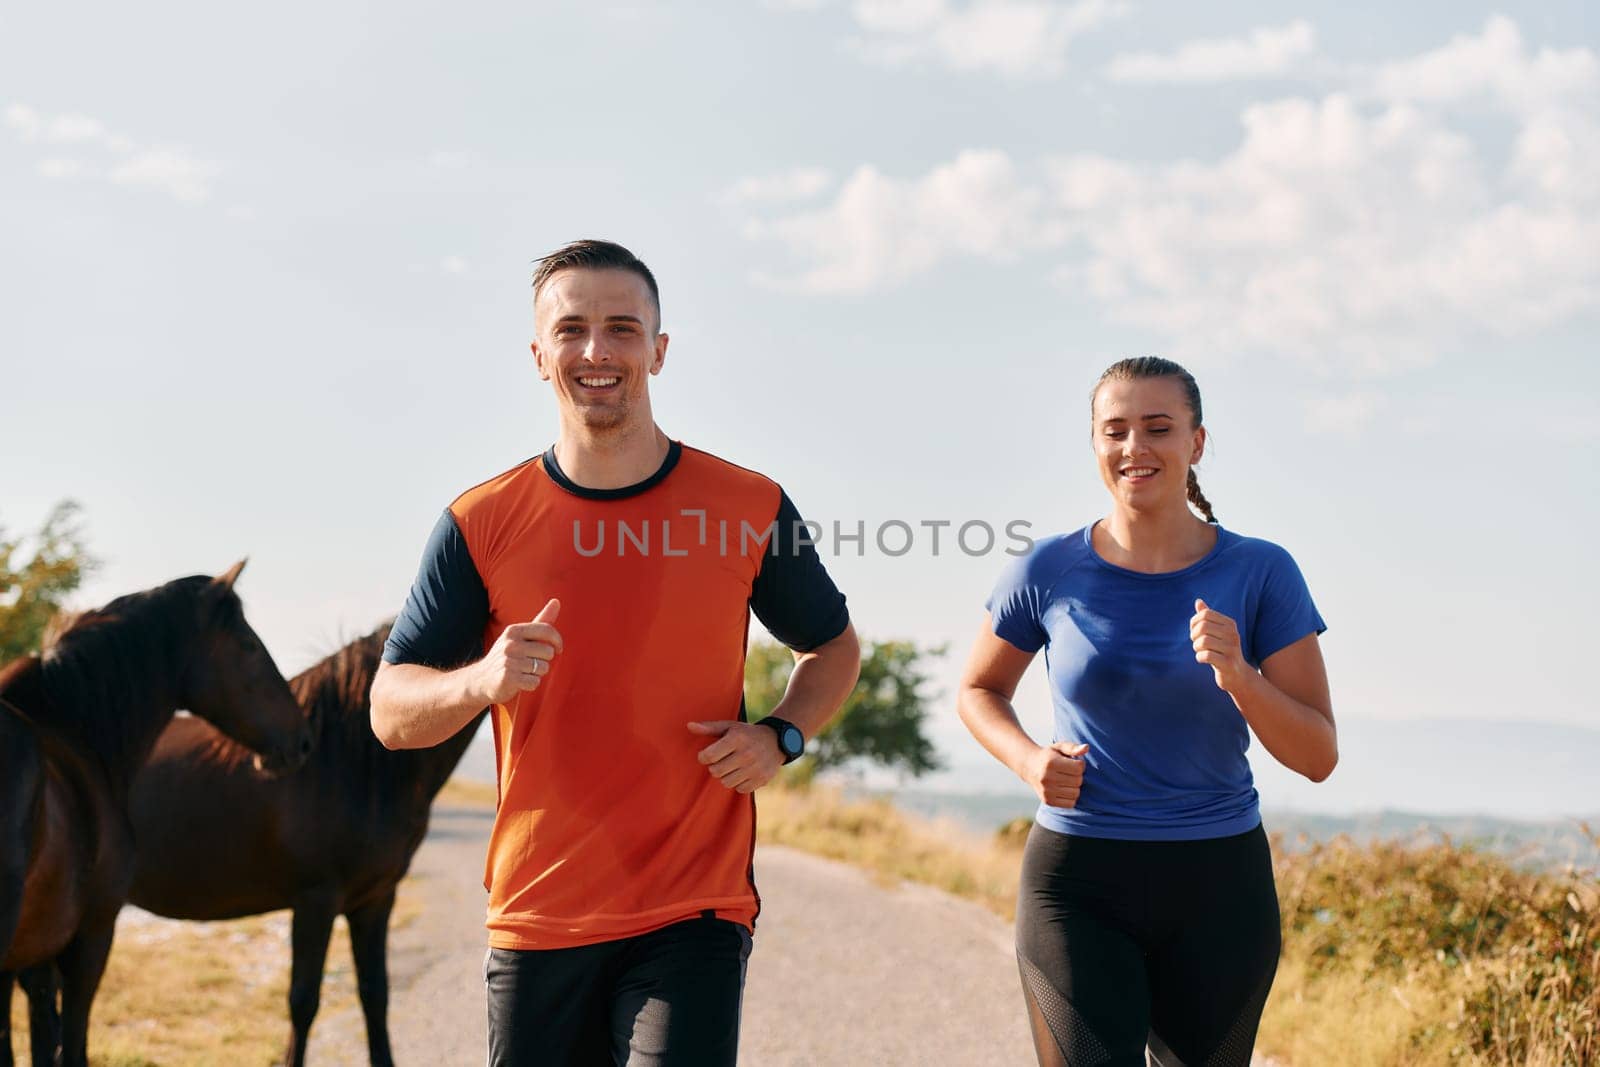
265,293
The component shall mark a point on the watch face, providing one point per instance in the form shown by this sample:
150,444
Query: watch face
792,741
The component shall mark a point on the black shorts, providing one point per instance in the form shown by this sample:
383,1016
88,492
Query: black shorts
668,997
1124,944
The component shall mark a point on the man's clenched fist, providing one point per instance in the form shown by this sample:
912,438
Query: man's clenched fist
744,756
520,657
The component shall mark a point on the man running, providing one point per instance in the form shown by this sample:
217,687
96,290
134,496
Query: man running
598,596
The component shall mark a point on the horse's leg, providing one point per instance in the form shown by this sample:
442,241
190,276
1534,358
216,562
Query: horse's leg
5,1020
41,984
369,937
82,962
314,913
21,772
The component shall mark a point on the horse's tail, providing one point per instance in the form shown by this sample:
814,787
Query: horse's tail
21,793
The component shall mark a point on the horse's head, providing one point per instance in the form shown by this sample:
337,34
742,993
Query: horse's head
233,683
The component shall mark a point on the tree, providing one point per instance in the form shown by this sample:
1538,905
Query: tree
881,720
31,593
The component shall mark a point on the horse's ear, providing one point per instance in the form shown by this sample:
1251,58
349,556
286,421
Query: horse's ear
226,579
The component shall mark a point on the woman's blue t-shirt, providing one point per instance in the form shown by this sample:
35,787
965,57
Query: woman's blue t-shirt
1166,758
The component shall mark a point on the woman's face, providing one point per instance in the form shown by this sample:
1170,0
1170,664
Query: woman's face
1145,441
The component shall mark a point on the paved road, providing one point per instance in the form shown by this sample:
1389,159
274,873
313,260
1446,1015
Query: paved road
845,970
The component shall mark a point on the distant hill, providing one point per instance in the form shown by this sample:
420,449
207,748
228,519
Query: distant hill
1551,843
1544,843
1503,770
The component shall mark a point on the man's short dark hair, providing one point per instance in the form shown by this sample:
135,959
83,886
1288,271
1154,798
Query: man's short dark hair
595,255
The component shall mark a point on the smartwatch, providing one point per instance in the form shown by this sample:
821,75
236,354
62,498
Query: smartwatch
791,742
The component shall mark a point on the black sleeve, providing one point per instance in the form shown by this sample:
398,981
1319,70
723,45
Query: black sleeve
445,614
793,596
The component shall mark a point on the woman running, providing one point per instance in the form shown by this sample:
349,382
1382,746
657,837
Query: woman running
1146,914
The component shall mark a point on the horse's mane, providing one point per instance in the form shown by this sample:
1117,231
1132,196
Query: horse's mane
335,688
59,624
102,667
337,693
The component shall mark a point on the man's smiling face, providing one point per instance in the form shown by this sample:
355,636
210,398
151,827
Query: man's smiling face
598,343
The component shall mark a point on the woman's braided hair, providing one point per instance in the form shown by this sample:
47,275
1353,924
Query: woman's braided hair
1156,367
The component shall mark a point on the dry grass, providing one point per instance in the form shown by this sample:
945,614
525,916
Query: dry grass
878,837
1393,954
472,794
199,994
1434,953
179,994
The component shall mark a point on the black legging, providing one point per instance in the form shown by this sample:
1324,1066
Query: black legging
1121,944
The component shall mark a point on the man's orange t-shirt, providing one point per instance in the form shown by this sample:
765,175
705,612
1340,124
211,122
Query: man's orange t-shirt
608,826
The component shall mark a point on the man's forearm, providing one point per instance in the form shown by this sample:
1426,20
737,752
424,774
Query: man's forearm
418,707
821,681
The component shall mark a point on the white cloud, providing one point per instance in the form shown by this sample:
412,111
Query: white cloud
803,183
172,170
1373,232
453,265
879,230
1554,96
24,120
1330,231
1015,38
1343,413
1494,64
1267,52
59,129
74,128
59,167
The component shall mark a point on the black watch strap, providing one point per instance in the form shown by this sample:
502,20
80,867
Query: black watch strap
791,742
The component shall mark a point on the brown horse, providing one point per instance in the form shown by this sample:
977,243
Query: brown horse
217,842
76,724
